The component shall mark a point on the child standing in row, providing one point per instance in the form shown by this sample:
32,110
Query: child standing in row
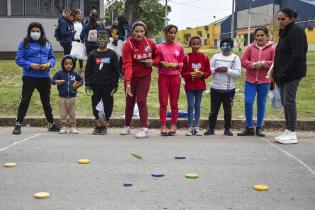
225,67
195,70
67,81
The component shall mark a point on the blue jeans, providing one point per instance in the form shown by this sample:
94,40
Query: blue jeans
193,101
250,93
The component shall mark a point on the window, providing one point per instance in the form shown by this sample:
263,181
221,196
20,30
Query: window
59,5
74,4
31,8
45,8
199,33
3,8
17,8
208,35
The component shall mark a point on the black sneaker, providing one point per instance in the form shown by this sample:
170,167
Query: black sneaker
53,127
209,132
259,132
97,131
228,133
103,130
17,129
247,132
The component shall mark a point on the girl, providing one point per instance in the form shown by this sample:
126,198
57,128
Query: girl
171,62
78,27
66,31
195,70
36,56
289,69
139,54
257,59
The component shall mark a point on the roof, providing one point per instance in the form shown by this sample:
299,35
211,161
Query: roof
309,1
221,20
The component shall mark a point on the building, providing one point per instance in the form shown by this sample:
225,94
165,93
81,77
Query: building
16,15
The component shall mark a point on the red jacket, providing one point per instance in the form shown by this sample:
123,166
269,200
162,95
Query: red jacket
190,62
132,54
252,54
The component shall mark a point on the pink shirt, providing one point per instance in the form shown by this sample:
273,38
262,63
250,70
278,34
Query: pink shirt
171,53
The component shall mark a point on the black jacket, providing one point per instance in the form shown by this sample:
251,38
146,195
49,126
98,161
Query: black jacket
102,69
290,58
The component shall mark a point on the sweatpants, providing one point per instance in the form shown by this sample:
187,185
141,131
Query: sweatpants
251,89
102,92
66,48
140,88
288,100
67,108
43,86
226,98
169,88
193,102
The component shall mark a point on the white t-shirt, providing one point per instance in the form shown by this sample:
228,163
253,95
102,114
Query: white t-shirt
78,26
225,81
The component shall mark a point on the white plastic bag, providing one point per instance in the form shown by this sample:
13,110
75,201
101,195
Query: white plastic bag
275,98
78,51
100,109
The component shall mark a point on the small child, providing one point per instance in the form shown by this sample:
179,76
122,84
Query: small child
225,67
68,81
102,76
195,70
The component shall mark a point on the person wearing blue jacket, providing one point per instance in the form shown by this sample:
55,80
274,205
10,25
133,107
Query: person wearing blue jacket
35,56
66,31
67,81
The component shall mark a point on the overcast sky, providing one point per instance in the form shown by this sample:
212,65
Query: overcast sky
191,13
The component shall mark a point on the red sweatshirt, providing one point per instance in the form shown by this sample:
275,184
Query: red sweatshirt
191,61
132,54
252,54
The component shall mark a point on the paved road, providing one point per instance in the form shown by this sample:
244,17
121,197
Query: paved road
228,168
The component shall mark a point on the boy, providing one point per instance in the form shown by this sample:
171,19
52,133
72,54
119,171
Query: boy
68,81
102,76
225,67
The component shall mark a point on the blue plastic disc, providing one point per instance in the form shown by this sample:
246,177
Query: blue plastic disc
180,157
127,183
157,174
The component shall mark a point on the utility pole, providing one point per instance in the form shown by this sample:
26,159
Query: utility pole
165,16
232,21
249,21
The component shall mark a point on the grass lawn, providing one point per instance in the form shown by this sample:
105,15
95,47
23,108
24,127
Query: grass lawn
10,91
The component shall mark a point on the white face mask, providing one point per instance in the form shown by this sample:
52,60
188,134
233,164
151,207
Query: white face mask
35,36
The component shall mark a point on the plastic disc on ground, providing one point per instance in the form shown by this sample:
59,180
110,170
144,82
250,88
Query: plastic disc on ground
9,165
136,155
191,175
127,183
180,157
157,174
41,195
84,161
261,187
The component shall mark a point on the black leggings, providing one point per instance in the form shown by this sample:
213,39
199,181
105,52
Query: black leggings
102,92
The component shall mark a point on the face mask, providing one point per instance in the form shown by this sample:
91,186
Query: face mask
35,36
226,47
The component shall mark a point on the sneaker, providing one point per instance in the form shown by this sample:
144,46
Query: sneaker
73,130
276,139
209,132
197,132
63,130
259,132
53,127
247,132
96,131
288,138
228,133
17,129
144,133
164,131
103,130
172,132
189,131
125,130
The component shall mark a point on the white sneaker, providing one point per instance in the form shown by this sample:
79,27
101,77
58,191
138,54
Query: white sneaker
73,130
289,138
63,130
189,131
125,130
278,137
197,132
144,133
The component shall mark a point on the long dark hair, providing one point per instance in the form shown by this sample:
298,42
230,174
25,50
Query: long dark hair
121,20
290,13
93,22
42,40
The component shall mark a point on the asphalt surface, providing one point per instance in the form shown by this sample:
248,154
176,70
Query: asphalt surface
228,168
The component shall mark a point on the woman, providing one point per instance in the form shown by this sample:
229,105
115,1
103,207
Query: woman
139,54
257,60
66,31
289,69
36,56
78,27
171,54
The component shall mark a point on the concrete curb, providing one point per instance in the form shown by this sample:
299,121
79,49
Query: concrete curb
306,125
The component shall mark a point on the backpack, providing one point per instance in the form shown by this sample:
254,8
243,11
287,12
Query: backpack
57,34
92,36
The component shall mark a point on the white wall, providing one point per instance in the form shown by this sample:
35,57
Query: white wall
13,30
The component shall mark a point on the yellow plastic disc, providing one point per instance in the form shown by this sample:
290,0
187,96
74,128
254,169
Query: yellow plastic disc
9,165
136,155
191,175
41,195
261,187
84,161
